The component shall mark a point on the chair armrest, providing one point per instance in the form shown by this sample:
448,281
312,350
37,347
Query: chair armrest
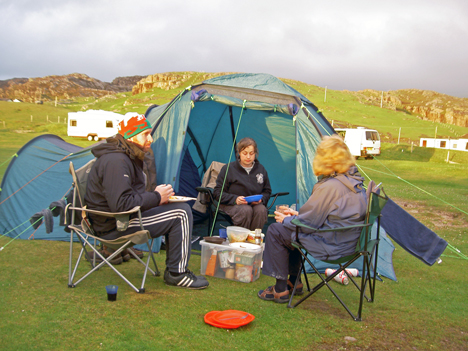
106,214
202,189
274,196
299,224
208,192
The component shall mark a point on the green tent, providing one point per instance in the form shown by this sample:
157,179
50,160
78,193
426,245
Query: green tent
201,125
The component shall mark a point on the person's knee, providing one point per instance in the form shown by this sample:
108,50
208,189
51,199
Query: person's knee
245,212
273,230
260,210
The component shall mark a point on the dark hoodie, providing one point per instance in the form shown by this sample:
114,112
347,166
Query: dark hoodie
117,183
336,201
240,183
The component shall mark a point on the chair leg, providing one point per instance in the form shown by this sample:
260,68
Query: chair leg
326,281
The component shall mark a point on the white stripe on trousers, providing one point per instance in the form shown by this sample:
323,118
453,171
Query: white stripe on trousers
165,216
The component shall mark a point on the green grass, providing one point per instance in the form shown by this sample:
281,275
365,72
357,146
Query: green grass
425,310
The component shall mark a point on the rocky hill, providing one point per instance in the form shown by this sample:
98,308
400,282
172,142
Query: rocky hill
427,105
168,81
63,87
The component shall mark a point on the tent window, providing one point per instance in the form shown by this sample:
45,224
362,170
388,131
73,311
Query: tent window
73,123
454,146
442,144
109,124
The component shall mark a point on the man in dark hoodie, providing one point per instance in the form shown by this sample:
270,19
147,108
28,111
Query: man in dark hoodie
117,183
338,200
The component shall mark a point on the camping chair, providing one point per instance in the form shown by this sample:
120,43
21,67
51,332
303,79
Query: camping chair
367,248
85,232
207,199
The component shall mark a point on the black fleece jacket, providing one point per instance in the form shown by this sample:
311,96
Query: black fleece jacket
116,183
240,183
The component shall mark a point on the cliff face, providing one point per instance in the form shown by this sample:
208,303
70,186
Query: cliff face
63,87
167,81
427,105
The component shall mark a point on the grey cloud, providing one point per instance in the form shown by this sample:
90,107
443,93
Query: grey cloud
341,44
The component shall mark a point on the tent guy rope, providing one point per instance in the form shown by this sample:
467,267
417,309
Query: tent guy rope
227,169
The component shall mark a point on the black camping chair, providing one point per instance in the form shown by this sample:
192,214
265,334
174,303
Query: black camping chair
367,248
82,228
206,198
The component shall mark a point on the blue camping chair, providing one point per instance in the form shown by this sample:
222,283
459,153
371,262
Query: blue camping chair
366,248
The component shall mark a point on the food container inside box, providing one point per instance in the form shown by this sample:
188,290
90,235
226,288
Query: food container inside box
237,234
236,261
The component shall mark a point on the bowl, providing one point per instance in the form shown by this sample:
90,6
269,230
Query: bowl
253,198
237,234
214,239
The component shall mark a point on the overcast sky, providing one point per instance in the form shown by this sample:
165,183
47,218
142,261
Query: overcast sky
341,44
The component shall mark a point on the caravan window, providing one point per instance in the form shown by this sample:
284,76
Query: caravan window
374,136
341,133
73,123
109,124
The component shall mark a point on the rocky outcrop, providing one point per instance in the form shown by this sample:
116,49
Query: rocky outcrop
63,87
425,104
169,81
126,83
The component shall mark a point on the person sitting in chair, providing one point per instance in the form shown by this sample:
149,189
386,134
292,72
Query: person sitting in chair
338,200
245,177
117,183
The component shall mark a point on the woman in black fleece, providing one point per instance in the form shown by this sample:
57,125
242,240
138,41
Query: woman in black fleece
245,177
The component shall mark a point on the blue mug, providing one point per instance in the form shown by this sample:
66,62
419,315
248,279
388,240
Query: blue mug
222,233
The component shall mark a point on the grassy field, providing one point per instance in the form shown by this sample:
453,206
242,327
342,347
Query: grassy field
426,309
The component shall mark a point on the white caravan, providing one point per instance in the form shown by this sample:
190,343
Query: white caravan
361,142
93,124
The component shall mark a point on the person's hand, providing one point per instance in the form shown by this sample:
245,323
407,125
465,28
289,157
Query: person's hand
290,211
256,202
279,216
166,191
241,201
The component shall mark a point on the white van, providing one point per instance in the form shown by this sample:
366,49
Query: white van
93,124
361,142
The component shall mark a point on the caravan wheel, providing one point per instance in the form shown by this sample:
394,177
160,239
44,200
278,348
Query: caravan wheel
90,137
96,138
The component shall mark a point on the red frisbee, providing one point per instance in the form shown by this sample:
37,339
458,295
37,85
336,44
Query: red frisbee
229,319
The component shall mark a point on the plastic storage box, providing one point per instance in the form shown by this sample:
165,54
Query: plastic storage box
237,261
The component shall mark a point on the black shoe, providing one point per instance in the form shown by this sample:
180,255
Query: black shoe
185,280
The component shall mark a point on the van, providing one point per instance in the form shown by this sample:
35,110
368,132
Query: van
361,142
93,124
